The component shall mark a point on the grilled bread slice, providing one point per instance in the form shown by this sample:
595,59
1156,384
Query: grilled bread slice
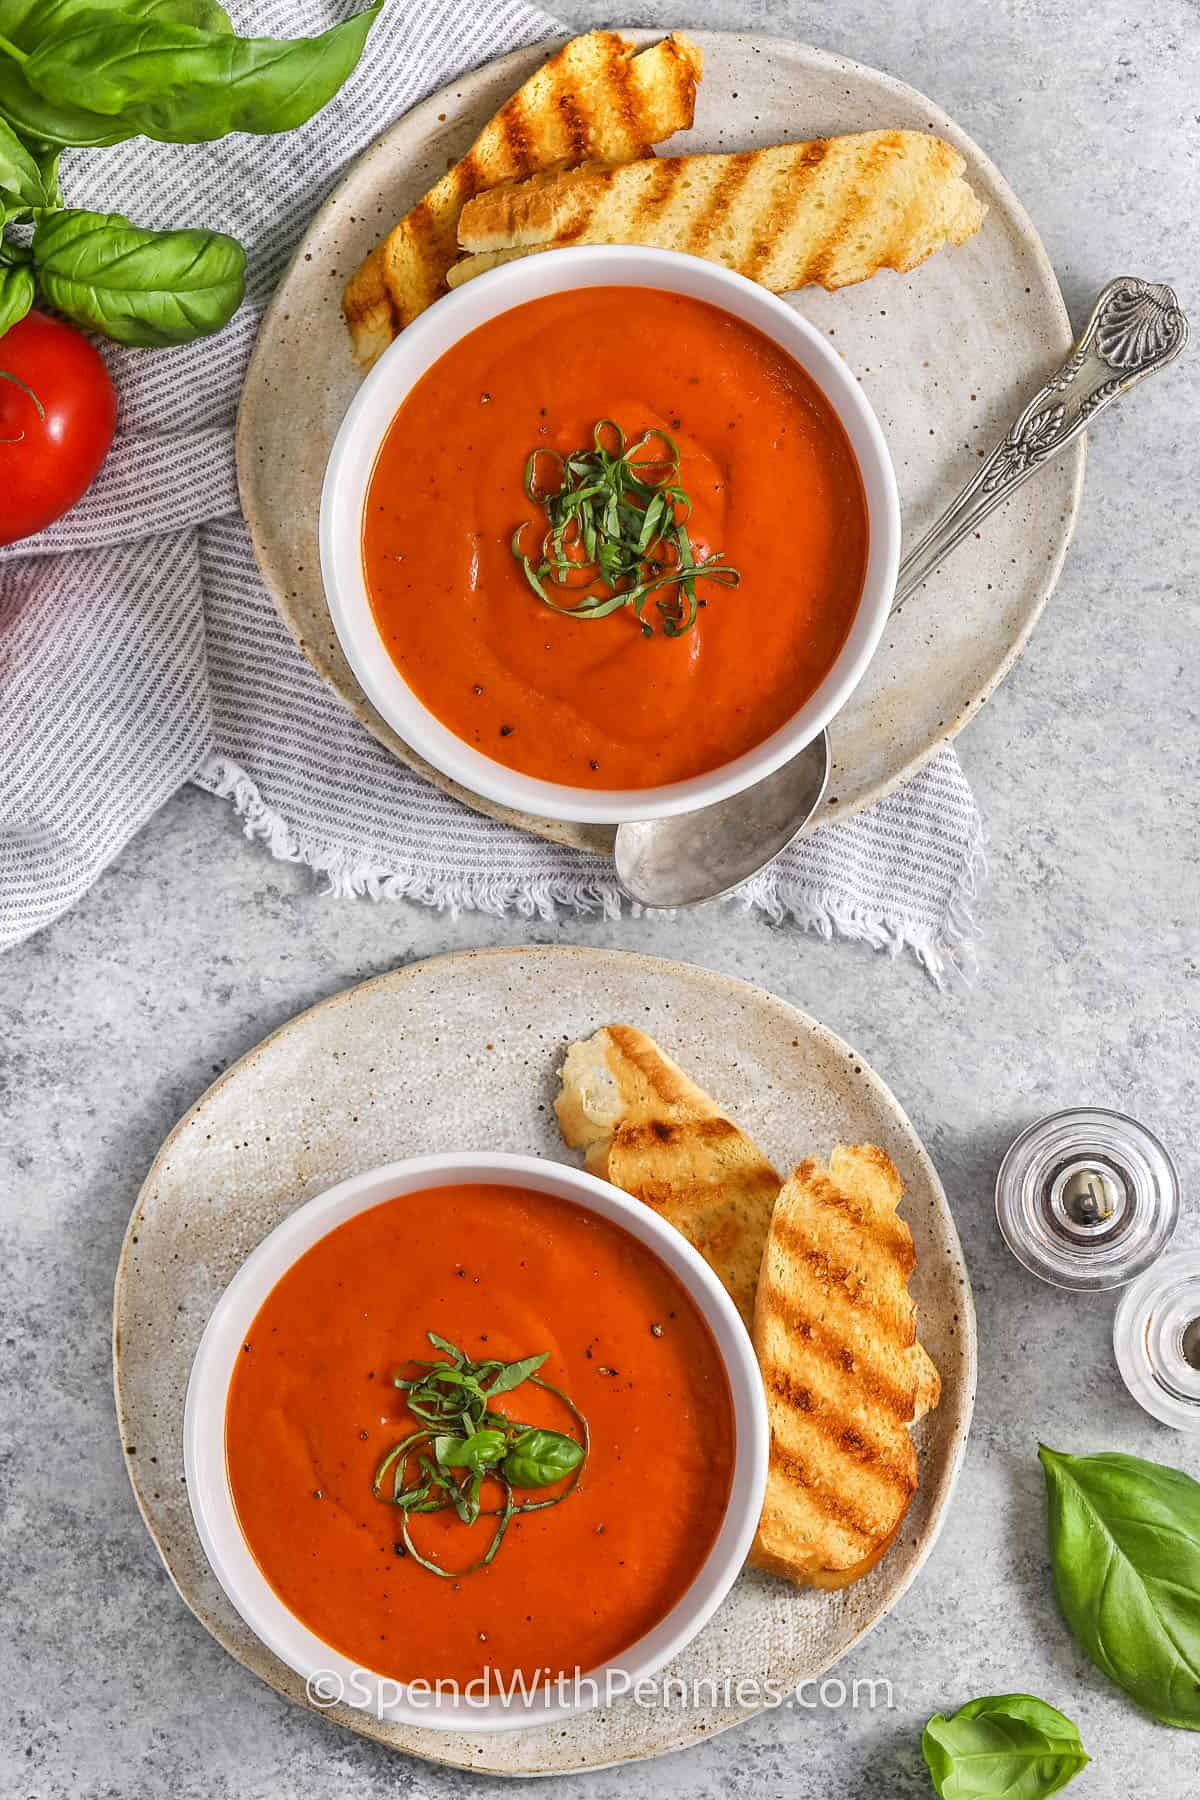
835,1333
594,100
650,1130
829,212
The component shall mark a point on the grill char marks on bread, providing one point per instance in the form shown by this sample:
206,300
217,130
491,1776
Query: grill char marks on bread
829,212
595,100
819,1269
835,1333
647,1128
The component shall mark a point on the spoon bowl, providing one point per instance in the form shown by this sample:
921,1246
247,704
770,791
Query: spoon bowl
701,855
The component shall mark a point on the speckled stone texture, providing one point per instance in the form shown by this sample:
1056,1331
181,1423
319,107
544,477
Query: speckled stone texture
461,1053
1086,766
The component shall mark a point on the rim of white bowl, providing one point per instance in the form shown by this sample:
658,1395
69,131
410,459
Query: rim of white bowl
215,1514
418,347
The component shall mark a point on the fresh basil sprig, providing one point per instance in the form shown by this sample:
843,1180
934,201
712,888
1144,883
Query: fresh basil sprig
136,286
1125,1540
1009,1745
460,1442
186,83
96,72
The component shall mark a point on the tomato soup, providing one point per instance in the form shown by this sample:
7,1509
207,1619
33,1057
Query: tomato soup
773,485
500,1273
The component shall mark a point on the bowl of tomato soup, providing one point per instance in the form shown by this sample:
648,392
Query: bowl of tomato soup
475,1442
609,533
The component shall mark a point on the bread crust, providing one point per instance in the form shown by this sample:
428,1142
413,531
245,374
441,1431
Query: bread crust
829,212
836,1338
645,1126
595,99
819,1269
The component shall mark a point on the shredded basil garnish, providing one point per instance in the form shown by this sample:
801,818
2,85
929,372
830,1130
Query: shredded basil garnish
461,1443
616,531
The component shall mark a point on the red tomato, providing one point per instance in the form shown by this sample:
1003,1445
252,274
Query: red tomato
47,463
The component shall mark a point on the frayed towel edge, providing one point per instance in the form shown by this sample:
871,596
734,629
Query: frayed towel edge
947,954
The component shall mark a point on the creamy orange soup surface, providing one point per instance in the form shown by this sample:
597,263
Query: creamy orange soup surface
506,1273
774,487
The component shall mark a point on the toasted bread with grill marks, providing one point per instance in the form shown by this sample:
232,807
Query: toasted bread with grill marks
836,1337
829,212
650,1130
594,100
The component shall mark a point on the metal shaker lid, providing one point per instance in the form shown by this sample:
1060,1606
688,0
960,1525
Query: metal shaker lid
1087,1199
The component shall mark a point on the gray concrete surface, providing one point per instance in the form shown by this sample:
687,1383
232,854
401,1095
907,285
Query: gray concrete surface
195,944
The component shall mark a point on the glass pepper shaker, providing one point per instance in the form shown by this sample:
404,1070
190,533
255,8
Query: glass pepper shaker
1156,1336
1087,1198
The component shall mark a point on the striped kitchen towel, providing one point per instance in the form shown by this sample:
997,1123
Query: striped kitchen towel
139,649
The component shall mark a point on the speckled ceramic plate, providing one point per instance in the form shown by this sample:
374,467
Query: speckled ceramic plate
461,1053
947,355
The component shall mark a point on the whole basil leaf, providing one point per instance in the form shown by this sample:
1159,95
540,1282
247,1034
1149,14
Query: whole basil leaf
513,1374
137,286
482,1450
1125,1539
539,1457
1009,1744
21,185
16,294
182,83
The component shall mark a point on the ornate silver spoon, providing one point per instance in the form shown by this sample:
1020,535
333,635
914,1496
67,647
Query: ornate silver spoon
1136,327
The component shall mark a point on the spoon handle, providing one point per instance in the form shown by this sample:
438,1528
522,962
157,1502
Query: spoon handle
1135,328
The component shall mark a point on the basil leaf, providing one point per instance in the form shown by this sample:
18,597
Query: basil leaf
16,294
1125,1539
26,22
539,1457
182,83
452,1350
43,18
21,186
1010,1745
513,1374
47,157
412,1499
465,1497
136,286
53,120
482,1450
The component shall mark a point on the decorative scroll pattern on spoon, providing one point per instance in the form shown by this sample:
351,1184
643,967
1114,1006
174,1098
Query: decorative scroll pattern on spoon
1136,327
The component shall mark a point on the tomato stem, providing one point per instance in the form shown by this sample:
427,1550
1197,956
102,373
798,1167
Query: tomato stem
17,382
10,49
